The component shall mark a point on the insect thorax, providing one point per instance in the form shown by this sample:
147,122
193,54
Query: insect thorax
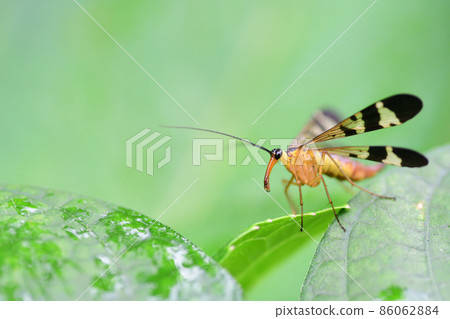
304,164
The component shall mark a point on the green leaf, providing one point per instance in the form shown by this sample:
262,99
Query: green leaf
267,243
392,249
55,245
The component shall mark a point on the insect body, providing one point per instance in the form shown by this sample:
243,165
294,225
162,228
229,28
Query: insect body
308,163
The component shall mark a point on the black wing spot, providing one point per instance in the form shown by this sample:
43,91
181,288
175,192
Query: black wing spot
371,118
410,158
377,153
348,131
404,106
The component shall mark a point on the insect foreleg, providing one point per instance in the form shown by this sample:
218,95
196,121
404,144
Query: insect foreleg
286,192
352,182
299,184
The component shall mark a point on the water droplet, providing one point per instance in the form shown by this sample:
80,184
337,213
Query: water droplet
29,209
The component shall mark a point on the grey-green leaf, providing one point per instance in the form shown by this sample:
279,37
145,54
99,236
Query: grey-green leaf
60,246
392,249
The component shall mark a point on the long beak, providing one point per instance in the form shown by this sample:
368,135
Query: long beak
272,162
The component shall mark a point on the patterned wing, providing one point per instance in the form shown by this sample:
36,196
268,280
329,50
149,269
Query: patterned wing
384,154
392,111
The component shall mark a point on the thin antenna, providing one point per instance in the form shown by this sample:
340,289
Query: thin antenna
216,132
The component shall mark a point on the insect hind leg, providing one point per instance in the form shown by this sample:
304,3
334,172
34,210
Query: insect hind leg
352,182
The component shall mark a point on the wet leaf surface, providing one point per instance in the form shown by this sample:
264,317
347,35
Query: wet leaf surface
60,246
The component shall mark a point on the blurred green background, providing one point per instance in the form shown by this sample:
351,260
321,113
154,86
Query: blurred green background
70,98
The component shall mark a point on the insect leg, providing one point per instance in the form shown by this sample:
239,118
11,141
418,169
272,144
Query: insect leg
352,182
301,203
291,203
331,202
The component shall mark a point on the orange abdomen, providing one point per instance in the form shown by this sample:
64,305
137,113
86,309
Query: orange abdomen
355,170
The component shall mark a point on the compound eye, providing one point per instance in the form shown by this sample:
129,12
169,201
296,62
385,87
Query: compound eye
277,153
